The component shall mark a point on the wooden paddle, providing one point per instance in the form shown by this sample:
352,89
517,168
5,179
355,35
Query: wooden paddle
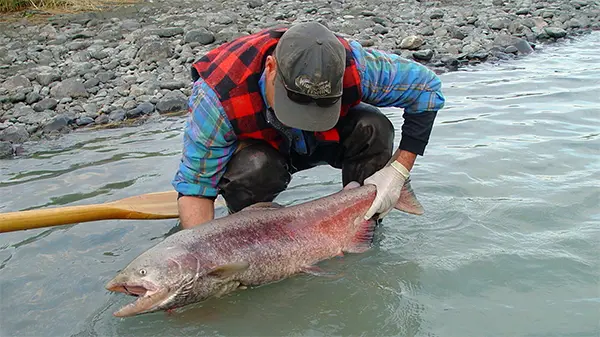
159,205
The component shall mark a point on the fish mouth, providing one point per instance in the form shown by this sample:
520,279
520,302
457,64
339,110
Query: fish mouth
149,297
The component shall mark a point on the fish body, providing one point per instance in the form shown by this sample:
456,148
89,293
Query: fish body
261,244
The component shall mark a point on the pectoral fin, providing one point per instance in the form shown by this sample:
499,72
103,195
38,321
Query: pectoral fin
316,271
227,270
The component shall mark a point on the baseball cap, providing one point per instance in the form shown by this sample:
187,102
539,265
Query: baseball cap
308,86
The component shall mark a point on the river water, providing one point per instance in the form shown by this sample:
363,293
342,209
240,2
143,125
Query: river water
509,244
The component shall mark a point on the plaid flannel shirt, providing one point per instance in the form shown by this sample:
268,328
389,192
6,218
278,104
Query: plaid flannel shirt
387,80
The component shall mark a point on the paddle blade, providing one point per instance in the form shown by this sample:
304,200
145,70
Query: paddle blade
159,205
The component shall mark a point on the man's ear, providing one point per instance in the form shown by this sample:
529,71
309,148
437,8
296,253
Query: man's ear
271,68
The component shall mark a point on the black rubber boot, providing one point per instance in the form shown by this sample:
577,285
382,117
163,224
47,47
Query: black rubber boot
256,173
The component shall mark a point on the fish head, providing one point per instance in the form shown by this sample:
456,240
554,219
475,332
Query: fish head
154,277
172,278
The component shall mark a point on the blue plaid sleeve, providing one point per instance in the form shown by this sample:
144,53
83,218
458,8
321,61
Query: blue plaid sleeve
389,80
208,144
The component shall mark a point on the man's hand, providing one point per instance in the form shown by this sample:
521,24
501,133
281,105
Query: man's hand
389,182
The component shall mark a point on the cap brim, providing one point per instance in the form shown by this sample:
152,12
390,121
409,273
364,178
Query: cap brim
309,117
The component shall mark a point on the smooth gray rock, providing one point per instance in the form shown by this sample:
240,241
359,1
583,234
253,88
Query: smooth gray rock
14,134
14,82
47,78
201,36
154,51
72,87
45,104
555,32
6,149
172,102
57,123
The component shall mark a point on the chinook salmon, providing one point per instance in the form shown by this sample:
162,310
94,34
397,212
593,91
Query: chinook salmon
260,244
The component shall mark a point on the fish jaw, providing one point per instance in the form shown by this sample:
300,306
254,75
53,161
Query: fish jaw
150,297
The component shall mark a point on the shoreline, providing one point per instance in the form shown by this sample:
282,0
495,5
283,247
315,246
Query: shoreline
101,69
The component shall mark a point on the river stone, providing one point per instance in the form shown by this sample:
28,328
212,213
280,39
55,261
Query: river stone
6,149
411,42
129,104
166,32
14,134
57,123
133,113
47,77
146,107
498,23
436,14
155,51
117,115
201,36
130,25
21,110
101,119
172,85
423,55
32,97
92,82
555,32
84,120
172,102
105,76
45,104
18,96
427,31
72,87
574,23
99,54
14,82
37,118
380,30
522,46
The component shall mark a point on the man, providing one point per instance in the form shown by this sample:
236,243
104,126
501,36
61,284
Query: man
273,103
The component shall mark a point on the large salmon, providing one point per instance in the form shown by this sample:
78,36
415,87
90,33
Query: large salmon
261,244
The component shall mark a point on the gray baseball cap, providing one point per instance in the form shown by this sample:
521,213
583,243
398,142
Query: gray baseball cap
310,68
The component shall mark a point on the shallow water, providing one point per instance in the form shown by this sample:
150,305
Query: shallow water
509,244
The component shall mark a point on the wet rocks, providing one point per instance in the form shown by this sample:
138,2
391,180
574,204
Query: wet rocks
6,149
14,134
82,70
555,32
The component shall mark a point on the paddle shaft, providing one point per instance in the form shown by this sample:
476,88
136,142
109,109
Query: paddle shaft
71,214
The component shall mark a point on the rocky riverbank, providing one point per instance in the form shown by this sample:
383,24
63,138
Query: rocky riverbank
90,69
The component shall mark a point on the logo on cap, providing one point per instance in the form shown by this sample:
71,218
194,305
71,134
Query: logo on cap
311,88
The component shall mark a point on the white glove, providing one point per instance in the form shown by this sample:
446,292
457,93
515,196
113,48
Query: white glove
389,182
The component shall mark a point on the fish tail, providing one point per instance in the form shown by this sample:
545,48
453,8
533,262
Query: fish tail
408,200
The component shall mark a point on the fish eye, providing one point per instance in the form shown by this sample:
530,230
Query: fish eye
142,272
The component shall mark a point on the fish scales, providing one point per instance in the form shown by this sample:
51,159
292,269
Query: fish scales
278,245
